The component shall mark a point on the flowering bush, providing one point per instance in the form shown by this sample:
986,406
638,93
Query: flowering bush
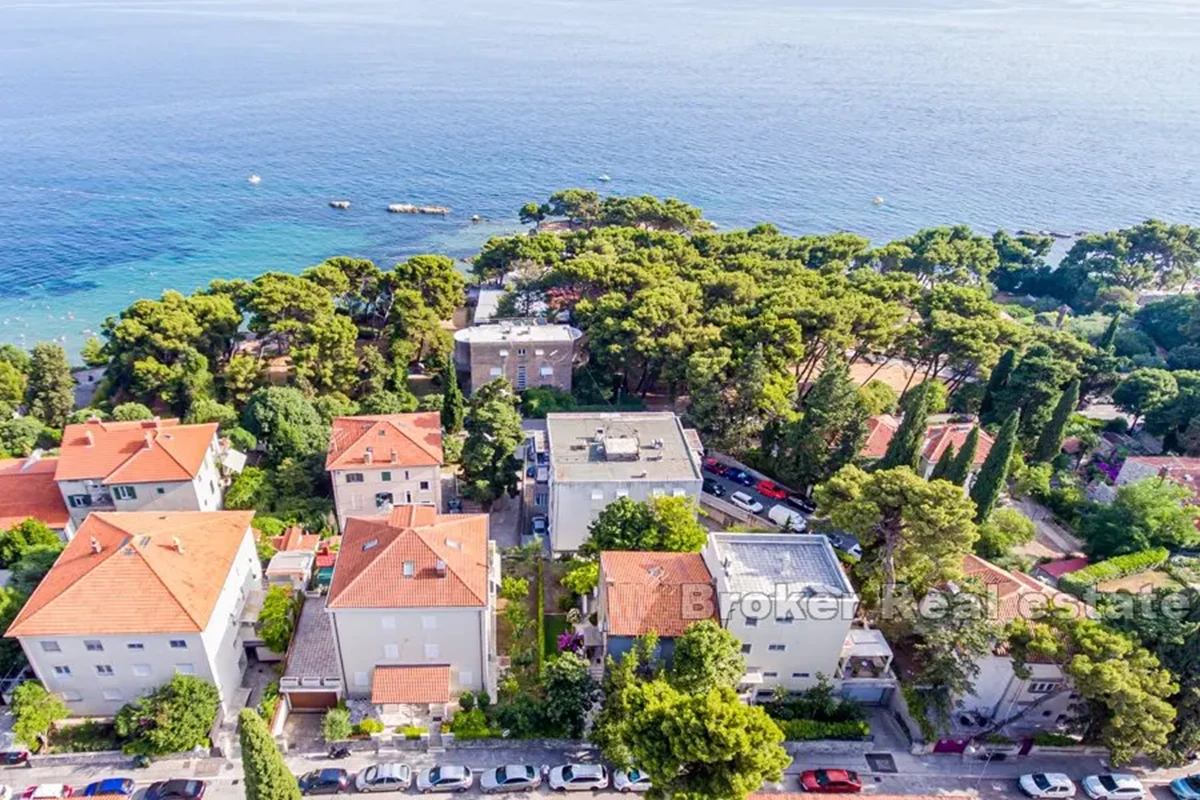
571,641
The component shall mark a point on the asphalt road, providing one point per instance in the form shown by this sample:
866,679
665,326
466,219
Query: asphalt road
733,486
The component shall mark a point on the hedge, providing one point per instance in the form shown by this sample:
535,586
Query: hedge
1077,583
806,730
1052,739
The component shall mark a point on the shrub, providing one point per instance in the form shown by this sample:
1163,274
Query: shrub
368,726
806,730
470,725
34,713
269,701
483,700
1077,583
410,731
466,701
175,717
336,725
1052,739
1117,425
87,737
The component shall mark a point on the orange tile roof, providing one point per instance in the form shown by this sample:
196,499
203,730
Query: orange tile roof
1015,595
27,489
369,572
144,451
294,538
424,683
881,429
644,591
139,582
413,440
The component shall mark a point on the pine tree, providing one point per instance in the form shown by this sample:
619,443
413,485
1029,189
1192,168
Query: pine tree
998,380
1110,334
904,450
830,433
992,475
1050,442
266,775
944,464
965,460
452,399
50,393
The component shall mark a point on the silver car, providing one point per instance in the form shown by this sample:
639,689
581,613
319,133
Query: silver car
633,780
510,778
579,777
390,777
445,778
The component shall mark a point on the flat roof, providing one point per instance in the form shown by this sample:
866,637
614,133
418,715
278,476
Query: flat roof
619,446
517,333
313,652
757,562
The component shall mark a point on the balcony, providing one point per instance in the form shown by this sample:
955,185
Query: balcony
866,655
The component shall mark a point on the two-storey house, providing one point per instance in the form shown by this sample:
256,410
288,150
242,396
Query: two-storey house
137,597
412,605
598,458
938,437
525,353
376,462
146,465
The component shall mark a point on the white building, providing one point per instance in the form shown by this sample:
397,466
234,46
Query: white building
137,597
598,458
413,607
147,465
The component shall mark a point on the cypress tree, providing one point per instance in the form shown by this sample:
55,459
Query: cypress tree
961,468
1050,442
992,475
904,450
452,399
944,464
266,776
998,380
1110,334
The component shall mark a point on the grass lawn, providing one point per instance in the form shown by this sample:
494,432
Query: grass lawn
1141,583
555,624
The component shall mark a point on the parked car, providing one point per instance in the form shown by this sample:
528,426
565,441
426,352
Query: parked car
632,781
712,465
12,758
109,787
1186,788
841,541
176,789
1113,786
800,503
390,777
831,781
743,500
445,778
579,777
539,526
739,476
6,793
331,780
510,778
1046,784
771,490
48,791
787,519
712,487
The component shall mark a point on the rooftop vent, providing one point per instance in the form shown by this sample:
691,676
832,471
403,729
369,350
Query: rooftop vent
144,541
409,569
454,544
87,436
34,457
655,571
178,545
441,568
96,548
620,448
371,545
369,455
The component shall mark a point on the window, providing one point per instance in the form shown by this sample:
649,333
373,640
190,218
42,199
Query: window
597,494
360,679
408,498
391,651
770,675
494,372
622,493
385,476
161,490
212,487
423,486
141,670
751,622
539,500
431,651
50,647
62,672
93,645
71,695
678,493
776,648
746,649
428,623
124,493
185,669
800,675
465,677
406,475
79,500
178,644
104,670
1042,687
504,353
354,477
408,569
135,646
112,694
521,351
389,623
522,378
656,492
383,499
547,372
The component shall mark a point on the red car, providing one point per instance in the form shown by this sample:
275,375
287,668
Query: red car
831,781
771,490
710,464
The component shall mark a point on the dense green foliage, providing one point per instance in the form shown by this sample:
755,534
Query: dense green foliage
173,718
1116,567
265,774
34,712
1146,514
277,620
660,523
994,472
493,435
707,657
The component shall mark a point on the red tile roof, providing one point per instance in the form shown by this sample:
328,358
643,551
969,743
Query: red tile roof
140,581
1056,569
370,568
1181,470
294,538
1015,595
144,451
881,429
27,489
412,440
644,591
424,683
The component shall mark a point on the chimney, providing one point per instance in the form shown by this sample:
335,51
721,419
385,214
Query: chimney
369,455
441,568
91,440
148,440
34,457
178,545
395,457
96,548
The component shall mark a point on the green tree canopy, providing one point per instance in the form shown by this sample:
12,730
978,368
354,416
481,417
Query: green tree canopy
493,435
993,475
1050,442
440,284
129,412
1005,529
34,713
23,537
50,391
570,692
1145,390
707,657
277,620
660,523
173,718
1149,513
904,449
265,774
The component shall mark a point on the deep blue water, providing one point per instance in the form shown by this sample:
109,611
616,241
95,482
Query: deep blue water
128,127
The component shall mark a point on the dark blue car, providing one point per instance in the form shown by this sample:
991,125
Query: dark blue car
739,476
109,787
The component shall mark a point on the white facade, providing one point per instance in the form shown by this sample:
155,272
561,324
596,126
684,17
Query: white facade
999,694
371,491
96,674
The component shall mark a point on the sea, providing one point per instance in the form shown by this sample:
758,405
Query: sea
129,129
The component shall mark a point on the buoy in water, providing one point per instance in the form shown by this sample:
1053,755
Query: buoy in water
254,179
878,200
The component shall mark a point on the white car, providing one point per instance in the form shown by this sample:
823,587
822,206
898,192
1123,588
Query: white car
510,778
632,781
579,777
390,777
1047,784
445,778
1113,786
743,500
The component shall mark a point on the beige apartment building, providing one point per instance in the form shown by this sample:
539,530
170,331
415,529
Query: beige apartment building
526,353
376,462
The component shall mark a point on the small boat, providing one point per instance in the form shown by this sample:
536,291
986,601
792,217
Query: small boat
342,204
254,179
476,218
603,176
878,200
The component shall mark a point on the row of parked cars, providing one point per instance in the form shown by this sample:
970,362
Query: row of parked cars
398,777
1109,786
181,789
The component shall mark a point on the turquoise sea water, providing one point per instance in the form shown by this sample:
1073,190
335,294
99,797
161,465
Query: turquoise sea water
128,127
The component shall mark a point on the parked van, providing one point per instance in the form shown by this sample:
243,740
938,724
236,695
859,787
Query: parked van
788,519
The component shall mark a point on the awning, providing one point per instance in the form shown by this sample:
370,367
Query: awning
865,643
411,684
